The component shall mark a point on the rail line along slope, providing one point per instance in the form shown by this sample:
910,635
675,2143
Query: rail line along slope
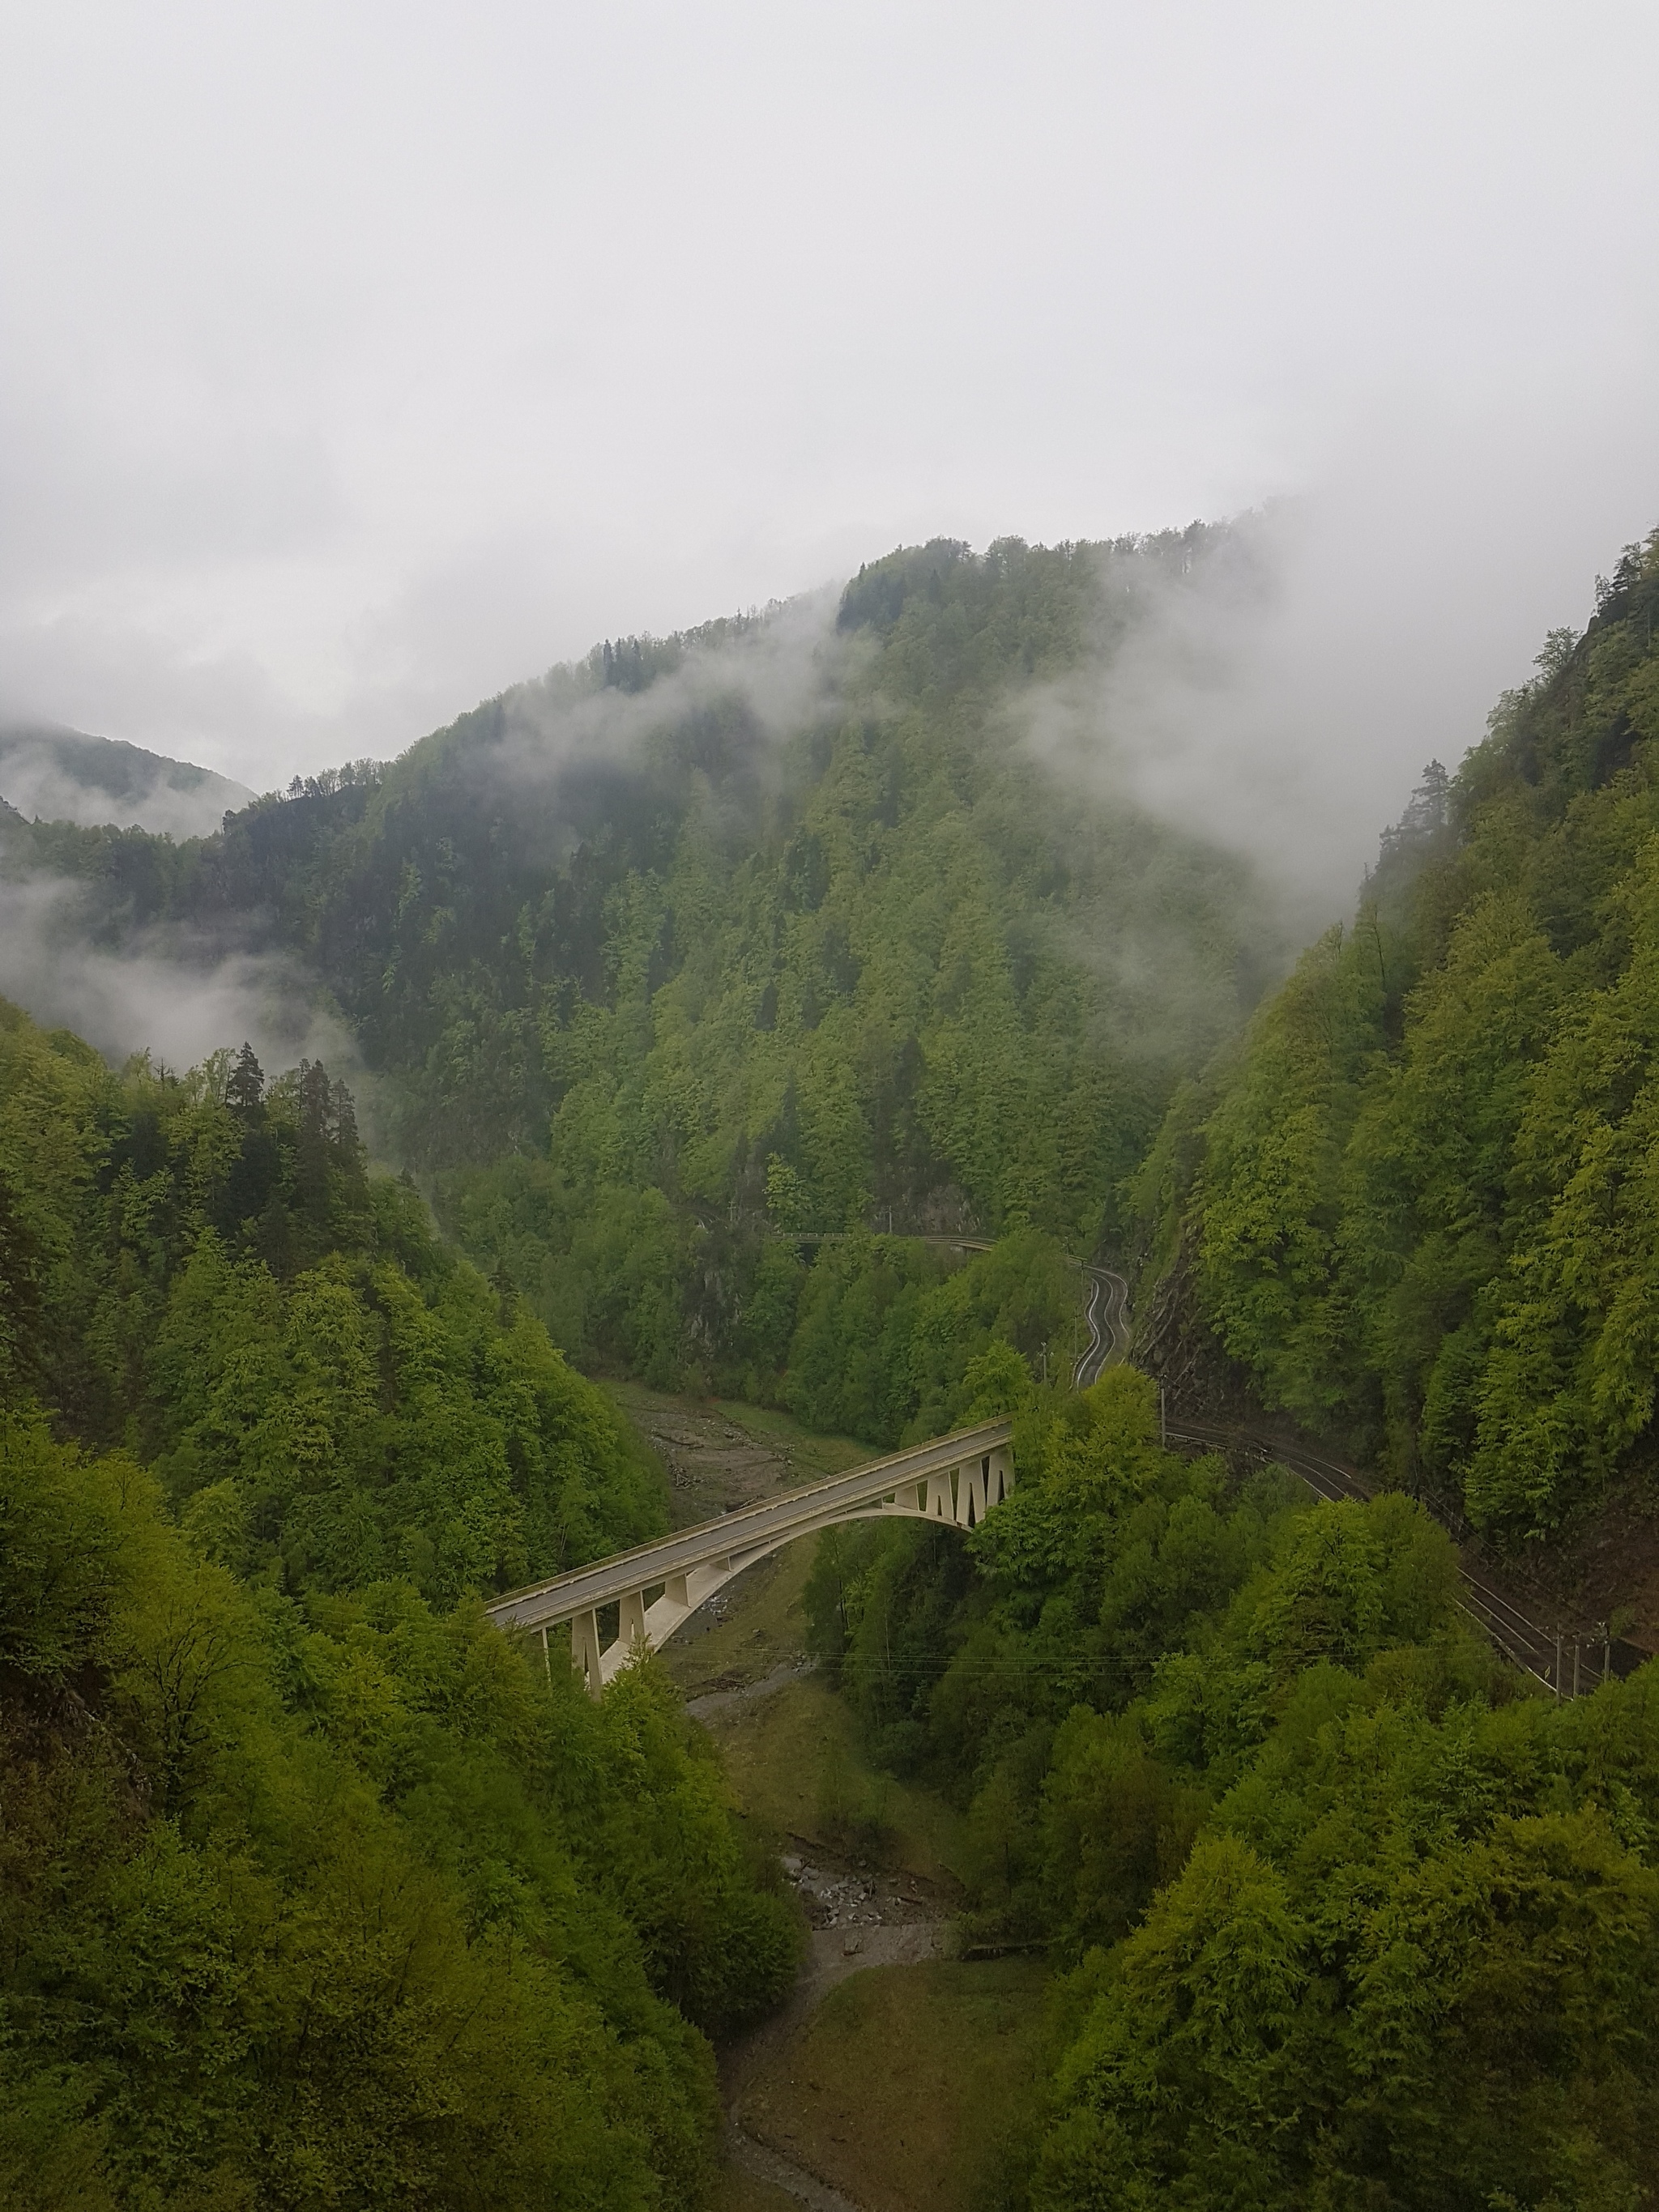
1570,1667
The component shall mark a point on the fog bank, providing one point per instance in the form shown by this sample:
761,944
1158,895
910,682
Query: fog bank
162,993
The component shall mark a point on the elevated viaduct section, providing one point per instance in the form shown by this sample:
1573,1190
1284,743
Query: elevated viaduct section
957,1479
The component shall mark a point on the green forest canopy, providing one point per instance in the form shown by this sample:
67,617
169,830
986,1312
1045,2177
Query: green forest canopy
1345,1914
774,927
313,1890
1419,1204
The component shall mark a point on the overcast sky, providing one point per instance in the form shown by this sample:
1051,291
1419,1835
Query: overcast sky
358,359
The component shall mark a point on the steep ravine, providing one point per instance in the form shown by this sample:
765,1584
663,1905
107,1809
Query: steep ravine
888,2080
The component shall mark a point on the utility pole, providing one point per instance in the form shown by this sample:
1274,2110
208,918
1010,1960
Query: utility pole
1575,1666
1163,1417
1606,1652
1558,1666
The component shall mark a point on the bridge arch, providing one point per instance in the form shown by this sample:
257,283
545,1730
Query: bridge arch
955,1479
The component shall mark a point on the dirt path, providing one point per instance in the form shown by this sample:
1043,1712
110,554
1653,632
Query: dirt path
782,2173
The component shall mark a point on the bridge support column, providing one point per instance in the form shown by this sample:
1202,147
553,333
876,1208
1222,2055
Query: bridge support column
584,1650
970,1494
941,1505
999,1476
632,1634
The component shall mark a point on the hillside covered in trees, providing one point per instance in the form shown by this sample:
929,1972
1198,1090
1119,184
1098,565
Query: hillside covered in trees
313,1890
1416,1205
699,985
778,926
1346,1914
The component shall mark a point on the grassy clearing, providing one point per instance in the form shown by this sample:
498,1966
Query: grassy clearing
907,2085
796,1768
801,1456
727,1455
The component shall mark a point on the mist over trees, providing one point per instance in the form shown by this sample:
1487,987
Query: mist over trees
777,926
721,992
1416,1206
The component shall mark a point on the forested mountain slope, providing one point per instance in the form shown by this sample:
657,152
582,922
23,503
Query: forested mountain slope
66,775
1346,1914
313,1890
1419,1206
779,925
205,1271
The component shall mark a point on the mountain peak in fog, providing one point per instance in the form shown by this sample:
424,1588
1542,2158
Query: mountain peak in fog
58,774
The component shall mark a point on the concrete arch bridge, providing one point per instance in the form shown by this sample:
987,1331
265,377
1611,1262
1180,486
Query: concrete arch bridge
957,1479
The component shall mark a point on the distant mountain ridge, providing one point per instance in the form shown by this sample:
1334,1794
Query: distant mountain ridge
57,775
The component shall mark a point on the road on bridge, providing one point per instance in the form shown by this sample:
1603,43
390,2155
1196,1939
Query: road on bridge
958,1478
955,1479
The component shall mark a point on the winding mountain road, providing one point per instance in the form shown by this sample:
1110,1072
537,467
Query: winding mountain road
1567,1665
1108,1315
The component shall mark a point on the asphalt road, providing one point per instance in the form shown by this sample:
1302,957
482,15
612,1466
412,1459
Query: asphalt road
1108,1313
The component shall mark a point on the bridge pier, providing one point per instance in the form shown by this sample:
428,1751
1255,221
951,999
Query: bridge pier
999,1476
585,1648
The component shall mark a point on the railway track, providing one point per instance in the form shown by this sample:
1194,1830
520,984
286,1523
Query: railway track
1568,1665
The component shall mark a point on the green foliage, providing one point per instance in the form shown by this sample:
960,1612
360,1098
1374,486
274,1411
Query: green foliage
58,1536
1414,1961
978,1659
1420,1198
215,1278
755,930
344,1901
1348,1921
314,1890
891,1346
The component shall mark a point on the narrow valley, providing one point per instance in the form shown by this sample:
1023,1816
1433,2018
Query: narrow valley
893,2079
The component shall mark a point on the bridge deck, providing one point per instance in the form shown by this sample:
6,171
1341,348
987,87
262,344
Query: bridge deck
737,1539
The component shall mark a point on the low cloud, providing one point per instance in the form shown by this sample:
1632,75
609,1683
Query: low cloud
782,668
1281,696
166,796
166,994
